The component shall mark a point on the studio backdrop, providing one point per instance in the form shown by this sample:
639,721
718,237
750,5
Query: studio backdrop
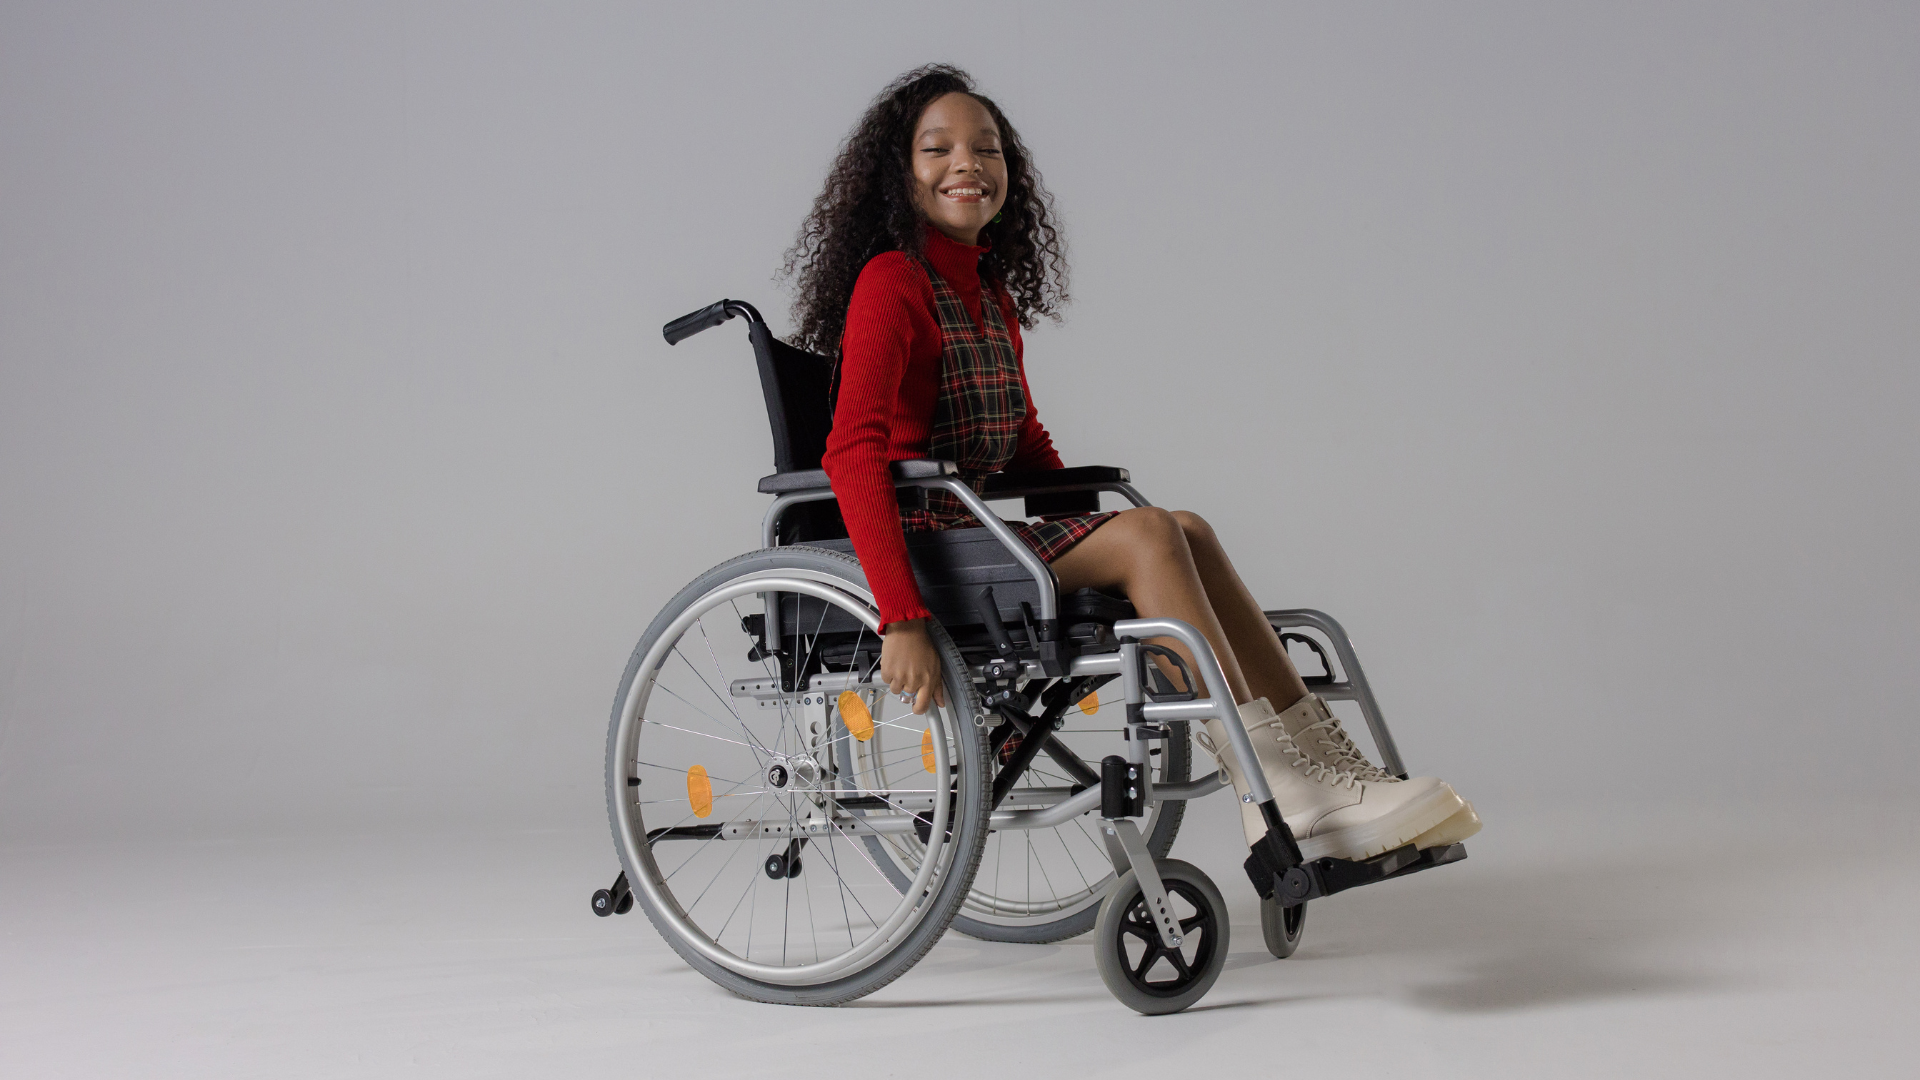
1566,353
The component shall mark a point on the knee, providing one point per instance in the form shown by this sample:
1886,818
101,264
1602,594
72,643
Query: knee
1154,534
1195,528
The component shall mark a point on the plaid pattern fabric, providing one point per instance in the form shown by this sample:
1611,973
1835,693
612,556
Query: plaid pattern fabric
976,422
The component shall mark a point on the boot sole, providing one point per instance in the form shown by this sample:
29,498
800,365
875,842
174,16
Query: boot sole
1459,827
1384,834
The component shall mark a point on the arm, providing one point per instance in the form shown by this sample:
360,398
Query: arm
888,321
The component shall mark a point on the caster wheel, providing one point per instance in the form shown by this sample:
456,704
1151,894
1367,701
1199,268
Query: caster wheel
603,902
1146,976
1281,927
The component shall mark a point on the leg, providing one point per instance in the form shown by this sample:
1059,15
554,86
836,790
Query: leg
1144,553
1171,565
1269,671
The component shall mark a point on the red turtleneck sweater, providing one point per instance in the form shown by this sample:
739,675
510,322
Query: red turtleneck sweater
889,380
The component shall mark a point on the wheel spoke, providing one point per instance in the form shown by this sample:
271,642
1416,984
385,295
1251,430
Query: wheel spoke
1179,963
1152,953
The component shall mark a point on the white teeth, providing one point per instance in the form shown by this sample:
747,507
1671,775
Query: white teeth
958,192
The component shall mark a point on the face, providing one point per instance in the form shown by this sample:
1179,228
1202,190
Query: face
959,173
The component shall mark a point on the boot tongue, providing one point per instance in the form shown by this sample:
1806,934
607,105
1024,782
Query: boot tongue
1319,735
1302,714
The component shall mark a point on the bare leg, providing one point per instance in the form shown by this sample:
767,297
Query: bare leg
1144,554
1269,670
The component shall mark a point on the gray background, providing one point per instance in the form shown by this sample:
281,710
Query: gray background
1567,355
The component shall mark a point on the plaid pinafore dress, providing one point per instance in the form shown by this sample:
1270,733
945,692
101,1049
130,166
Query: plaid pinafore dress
976,422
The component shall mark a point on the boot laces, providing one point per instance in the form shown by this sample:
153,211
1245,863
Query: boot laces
1340,748
1337,774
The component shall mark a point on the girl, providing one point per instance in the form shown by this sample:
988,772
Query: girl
932,245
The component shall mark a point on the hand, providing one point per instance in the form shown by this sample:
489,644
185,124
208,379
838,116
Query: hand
909,664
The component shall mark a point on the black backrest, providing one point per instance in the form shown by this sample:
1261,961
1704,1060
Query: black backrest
799,390
798,387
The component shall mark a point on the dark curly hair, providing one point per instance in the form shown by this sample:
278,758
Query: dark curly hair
867,208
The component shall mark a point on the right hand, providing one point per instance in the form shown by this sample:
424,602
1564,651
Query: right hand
909,664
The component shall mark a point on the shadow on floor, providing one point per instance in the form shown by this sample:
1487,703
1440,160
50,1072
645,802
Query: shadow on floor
1521,938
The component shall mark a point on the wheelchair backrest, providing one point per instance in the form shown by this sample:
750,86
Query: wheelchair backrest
799,390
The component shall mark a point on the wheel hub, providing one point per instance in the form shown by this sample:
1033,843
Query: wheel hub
799,773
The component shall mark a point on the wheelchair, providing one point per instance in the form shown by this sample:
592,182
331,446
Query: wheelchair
799,836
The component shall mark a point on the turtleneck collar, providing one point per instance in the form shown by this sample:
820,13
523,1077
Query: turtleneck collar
958,264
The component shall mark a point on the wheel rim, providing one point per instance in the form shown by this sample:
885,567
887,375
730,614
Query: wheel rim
1150,966
770,784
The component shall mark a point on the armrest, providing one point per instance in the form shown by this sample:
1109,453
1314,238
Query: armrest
816,479
1061,491
1052,479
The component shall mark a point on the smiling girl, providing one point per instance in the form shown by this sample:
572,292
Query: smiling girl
930,248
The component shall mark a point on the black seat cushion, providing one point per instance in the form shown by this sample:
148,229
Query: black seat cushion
1092,605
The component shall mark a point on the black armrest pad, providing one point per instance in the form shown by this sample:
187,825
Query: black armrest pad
805,480
923,469
781,483
1054,478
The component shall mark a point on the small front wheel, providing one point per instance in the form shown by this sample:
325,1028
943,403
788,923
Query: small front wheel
1144,974
1281,926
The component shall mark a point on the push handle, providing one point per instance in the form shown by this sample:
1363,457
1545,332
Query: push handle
709,317
705,319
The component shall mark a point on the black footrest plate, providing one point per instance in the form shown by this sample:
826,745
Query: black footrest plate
1324,877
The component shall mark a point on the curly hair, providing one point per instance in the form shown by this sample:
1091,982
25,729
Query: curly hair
867,208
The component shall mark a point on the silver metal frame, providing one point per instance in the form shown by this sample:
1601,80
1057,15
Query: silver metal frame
1351,683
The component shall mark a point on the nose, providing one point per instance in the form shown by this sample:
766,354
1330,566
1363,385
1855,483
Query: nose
965,161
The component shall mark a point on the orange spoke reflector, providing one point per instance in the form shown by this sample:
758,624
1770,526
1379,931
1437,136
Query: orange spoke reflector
926,749
854,714
1091,703
699,791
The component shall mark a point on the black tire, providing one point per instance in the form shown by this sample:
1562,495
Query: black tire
1281,927
967,827
1124,925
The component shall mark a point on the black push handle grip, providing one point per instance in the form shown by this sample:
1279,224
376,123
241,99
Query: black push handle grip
709,317
705,319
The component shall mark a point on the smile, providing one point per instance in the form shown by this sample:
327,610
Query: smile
965,194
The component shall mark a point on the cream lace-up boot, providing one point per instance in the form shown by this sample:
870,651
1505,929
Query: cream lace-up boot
1318,734
1331,811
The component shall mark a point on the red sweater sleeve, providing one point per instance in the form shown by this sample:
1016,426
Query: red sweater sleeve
889,322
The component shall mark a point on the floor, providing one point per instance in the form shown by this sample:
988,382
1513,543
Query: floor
1560,948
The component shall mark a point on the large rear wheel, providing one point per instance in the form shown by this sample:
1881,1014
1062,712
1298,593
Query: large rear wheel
748,771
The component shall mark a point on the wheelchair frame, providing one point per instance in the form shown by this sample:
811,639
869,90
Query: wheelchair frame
1005,659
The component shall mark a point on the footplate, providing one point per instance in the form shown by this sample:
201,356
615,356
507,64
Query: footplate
1324,877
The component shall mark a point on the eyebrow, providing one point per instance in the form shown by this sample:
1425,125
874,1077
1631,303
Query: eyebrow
948,131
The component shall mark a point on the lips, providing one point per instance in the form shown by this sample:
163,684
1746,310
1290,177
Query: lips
967,194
